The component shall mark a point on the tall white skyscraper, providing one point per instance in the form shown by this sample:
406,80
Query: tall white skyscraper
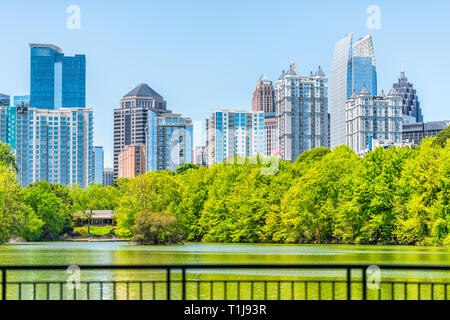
353,68
302,112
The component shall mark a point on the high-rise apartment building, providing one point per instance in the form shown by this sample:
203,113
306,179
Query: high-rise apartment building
302,112
372,118
232,133
108,176
52,145
200,156
132,161
97,165
415,132
353,68
131,119
410,102
169,141
264,100
57,81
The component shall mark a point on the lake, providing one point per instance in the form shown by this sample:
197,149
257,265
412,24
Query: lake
122,253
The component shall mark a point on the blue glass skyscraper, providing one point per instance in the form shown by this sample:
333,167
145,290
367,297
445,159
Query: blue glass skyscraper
57,81
353,68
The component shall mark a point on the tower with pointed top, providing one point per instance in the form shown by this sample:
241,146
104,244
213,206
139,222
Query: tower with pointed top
264,100
302,112
410,102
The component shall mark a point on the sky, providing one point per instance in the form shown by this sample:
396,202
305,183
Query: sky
203,55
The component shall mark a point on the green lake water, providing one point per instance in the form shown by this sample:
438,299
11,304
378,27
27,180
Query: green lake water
120,253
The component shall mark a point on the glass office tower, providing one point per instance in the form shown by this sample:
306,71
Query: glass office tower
57,81
353,68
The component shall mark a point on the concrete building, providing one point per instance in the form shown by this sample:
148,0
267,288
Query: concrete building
132,161
302,112
97,165
200,156
131,119
373,117
232,133
169,141
353,68
108,176
264,100
415,132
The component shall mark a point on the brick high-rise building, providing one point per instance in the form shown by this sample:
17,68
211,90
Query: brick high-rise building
264,100
132,161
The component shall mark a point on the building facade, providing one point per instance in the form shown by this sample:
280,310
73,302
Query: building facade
353,68
201,158
232,133
52,145
97,165
415,132
57,81
108,176
410,102
131,119
302,112
264,100
132,161
169,141
372,118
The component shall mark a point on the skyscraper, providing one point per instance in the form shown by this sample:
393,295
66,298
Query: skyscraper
200,156
302,112
131,119
232,133
353,68
264,100
410,102
372,118
97,165
52,145
169,141
57,81
132,161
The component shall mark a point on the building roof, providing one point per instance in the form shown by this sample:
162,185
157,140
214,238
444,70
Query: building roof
320,73
264,78
143,90
364,91
99,214
292,71
48,46
393,92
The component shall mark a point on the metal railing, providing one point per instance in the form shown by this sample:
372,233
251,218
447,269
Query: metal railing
226,282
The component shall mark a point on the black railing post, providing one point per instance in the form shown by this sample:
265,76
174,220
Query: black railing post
168,283
349,283
183,283
364,283
3,284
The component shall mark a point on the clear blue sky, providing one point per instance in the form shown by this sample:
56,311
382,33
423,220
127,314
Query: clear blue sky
204,55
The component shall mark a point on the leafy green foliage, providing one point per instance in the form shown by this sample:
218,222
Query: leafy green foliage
156,228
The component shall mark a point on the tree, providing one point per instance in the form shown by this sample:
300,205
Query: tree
156,228
94,197
7,157
442,137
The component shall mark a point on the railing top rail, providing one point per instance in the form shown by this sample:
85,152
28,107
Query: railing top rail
228,266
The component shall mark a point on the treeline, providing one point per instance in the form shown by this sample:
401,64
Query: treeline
393,196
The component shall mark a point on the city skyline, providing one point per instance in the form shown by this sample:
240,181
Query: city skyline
235,70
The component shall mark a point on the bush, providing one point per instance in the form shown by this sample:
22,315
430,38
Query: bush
156,228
